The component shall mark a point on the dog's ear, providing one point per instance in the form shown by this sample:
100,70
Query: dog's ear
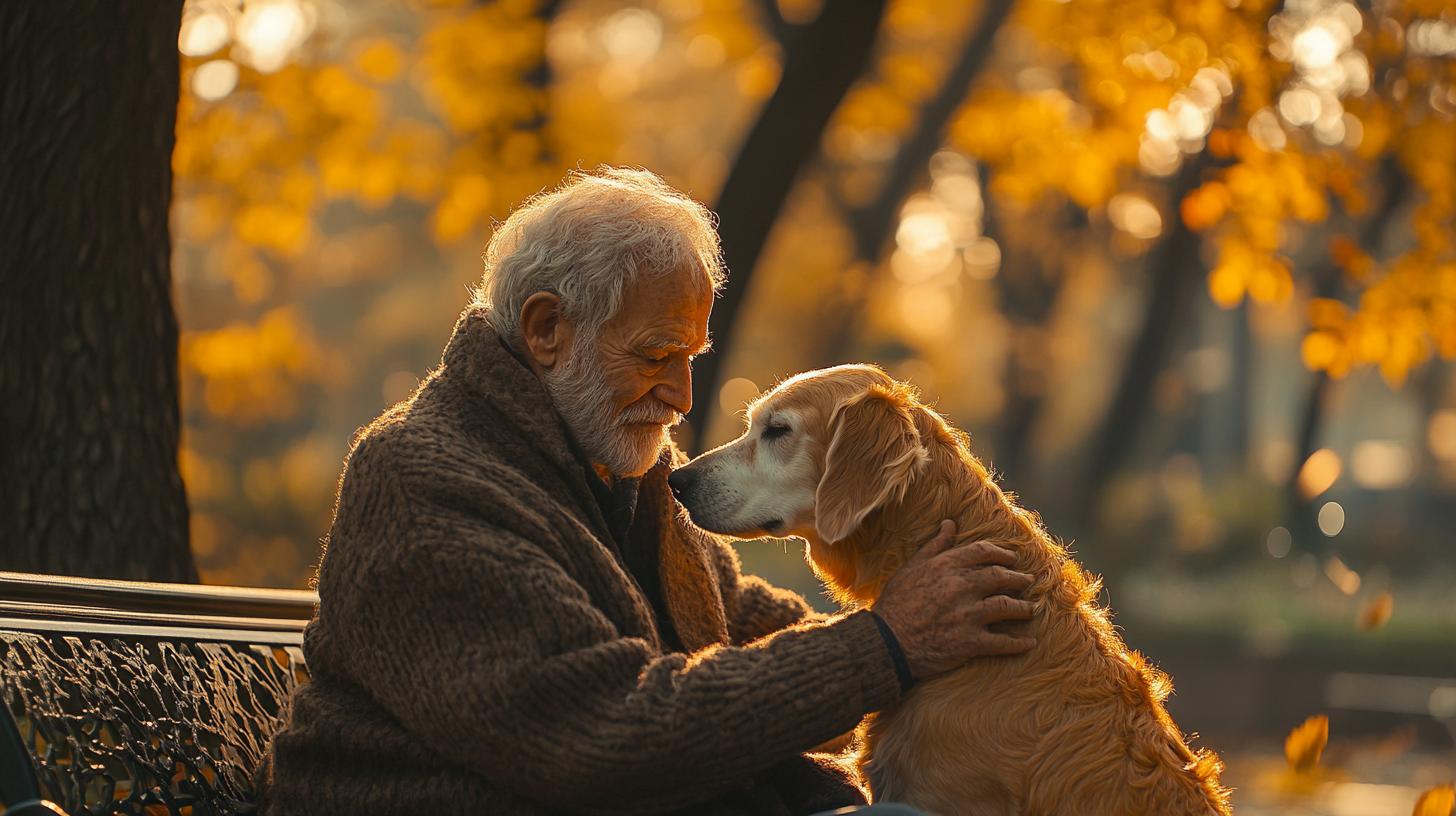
874,453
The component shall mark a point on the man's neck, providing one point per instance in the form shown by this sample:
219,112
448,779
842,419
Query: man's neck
602,473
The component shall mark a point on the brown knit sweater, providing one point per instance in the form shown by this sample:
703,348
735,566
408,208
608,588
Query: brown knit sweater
479,648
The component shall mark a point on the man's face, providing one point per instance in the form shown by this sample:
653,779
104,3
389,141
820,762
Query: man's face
621,391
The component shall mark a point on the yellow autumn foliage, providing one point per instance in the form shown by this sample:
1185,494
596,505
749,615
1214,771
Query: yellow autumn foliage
252,371
1125,64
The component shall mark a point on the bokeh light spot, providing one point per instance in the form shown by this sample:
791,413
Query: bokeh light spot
202,35
1319,473
1278,542
1135,216
214,80
735,394
1380,464
1342,576
1331,519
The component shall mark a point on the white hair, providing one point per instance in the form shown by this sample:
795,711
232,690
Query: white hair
587,240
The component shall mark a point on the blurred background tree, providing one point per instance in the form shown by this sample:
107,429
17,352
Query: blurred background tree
1147,255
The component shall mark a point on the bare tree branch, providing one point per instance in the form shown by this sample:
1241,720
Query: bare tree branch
825,58
872,222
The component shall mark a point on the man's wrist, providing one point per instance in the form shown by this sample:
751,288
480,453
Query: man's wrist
902,666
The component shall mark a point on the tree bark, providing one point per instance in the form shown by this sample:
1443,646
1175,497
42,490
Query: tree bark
89,423
823,61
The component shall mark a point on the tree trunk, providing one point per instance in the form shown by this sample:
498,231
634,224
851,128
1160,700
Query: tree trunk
823,60
1302,513
89,422
1177,275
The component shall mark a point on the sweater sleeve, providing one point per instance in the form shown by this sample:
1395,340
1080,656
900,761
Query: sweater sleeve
474,637
755,607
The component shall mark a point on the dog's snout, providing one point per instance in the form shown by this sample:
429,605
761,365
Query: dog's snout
681,481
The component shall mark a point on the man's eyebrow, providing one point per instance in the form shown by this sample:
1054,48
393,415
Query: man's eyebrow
674,344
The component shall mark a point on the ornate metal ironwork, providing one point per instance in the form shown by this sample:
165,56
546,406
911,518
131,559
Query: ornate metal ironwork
130,712
124,727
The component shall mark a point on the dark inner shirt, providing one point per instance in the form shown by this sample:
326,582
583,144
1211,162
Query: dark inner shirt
619,507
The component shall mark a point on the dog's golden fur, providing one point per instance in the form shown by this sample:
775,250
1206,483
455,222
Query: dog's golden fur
1076,725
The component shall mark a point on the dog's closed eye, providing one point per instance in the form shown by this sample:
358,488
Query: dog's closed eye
775,431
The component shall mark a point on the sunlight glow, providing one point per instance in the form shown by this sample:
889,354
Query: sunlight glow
1299,107
1135,216
1181,128
922,233
925,309
632,35
214,80
1380,464
1315,47
925,248
202,35
1441,435
706,52
735,394
1266,132
1159,157
983,258
269,30
1432,37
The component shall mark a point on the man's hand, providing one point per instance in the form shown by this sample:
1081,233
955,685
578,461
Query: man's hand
940,603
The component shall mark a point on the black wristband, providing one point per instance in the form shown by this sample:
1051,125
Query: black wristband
902,666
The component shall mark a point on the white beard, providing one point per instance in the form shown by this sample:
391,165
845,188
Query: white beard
626,443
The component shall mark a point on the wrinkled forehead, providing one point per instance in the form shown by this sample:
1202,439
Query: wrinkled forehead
814,394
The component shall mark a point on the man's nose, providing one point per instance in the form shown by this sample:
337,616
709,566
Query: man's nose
676,387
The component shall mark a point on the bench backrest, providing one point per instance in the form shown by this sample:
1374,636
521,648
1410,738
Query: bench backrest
137,698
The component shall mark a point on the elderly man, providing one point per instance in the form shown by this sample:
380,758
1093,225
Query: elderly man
515,615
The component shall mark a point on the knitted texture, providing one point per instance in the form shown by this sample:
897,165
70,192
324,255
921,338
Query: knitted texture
478,647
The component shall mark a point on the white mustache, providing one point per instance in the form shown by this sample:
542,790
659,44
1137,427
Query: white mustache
649,413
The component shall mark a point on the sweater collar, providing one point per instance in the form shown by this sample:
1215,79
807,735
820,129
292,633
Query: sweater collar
503,391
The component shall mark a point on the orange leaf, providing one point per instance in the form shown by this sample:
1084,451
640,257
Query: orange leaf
1376,613
1303,746
1437,801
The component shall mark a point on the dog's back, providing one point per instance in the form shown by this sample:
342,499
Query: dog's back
1075,726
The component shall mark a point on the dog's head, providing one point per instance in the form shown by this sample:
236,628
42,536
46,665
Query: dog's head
822,451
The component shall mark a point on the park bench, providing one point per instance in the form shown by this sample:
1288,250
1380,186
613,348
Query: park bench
138,698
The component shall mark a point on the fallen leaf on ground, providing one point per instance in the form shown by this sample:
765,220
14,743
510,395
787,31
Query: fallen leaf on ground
1376,613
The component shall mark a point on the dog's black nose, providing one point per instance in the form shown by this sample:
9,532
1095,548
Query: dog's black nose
680,481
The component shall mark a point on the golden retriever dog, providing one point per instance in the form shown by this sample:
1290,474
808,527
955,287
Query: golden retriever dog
849,460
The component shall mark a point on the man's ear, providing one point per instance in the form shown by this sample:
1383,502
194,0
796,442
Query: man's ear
547,336
873,455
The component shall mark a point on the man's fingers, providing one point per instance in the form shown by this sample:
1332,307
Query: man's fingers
942,541
998,581
1000,608
982,554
